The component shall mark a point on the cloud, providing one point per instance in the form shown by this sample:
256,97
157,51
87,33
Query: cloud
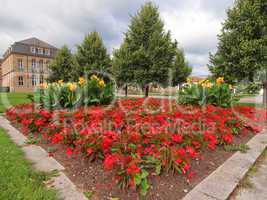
193,23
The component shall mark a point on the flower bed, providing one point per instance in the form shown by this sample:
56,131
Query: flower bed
136,138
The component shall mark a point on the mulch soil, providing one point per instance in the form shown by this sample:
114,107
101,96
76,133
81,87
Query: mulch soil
91,177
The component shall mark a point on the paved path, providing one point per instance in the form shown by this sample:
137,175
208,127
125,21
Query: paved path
258,180
256,99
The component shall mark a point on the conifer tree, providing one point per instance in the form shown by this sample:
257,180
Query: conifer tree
147,54
62,66
92,55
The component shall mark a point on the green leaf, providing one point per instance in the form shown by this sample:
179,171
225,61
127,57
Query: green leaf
158,169
144,174
137,179
144,187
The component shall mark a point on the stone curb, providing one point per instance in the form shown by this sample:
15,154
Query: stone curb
42,162
220,184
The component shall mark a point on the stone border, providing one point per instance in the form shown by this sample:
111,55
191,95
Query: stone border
221,183
42,162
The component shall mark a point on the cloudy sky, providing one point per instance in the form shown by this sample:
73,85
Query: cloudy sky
193,23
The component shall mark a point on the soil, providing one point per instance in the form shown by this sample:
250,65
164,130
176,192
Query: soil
90,176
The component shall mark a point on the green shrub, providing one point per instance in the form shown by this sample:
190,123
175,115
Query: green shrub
75,94
216,92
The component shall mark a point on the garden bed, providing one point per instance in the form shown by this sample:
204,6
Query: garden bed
153,147
91,177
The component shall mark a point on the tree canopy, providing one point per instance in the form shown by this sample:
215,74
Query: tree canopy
242,43
147,53
62,66
92,55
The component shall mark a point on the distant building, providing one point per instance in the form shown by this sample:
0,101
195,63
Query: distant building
25,64
196,79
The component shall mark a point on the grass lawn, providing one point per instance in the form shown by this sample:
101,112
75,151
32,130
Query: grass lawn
249,104
17,180
11,99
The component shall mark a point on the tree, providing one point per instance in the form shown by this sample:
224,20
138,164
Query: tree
92,55
147,54
181,69
62,66
242,42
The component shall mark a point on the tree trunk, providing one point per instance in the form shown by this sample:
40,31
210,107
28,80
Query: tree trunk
126,90
146,90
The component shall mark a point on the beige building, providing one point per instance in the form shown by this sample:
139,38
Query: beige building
25,65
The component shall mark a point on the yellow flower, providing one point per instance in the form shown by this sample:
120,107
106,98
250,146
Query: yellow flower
206,84
219,80
101,83
230,86
81,81
43,86
94,77
209,85
189,80
72,87
60,82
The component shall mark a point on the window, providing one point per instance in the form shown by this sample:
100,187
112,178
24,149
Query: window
41,79
34,80
47,52
20,80
33,49
20,64
40,51
33,64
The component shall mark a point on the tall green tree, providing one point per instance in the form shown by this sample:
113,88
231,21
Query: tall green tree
242,42
62,66
181,68
147,54
92,55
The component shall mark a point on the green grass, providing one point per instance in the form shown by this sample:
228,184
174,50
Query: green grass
17,180
11,99
249,104
246,95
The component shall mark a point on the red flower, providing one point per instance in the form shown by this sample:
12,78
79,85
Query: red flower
191,151
190,175
186,167
110,161
86,131
181,152
133,169
69,151
39,122
106,143
178,161
177,138
89,151
228,138
57,138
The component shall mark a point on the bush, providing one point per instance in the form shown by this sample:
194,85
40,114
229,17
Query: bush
217,93
251,88
74,94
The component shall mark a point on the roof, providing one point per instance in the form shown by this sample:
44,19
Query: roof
24,47
36,42
197,78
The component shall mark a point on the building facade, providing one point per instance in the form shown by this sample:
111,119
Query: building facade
25,65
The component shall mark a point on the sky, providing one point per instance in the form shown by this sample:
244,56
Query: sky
193,23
